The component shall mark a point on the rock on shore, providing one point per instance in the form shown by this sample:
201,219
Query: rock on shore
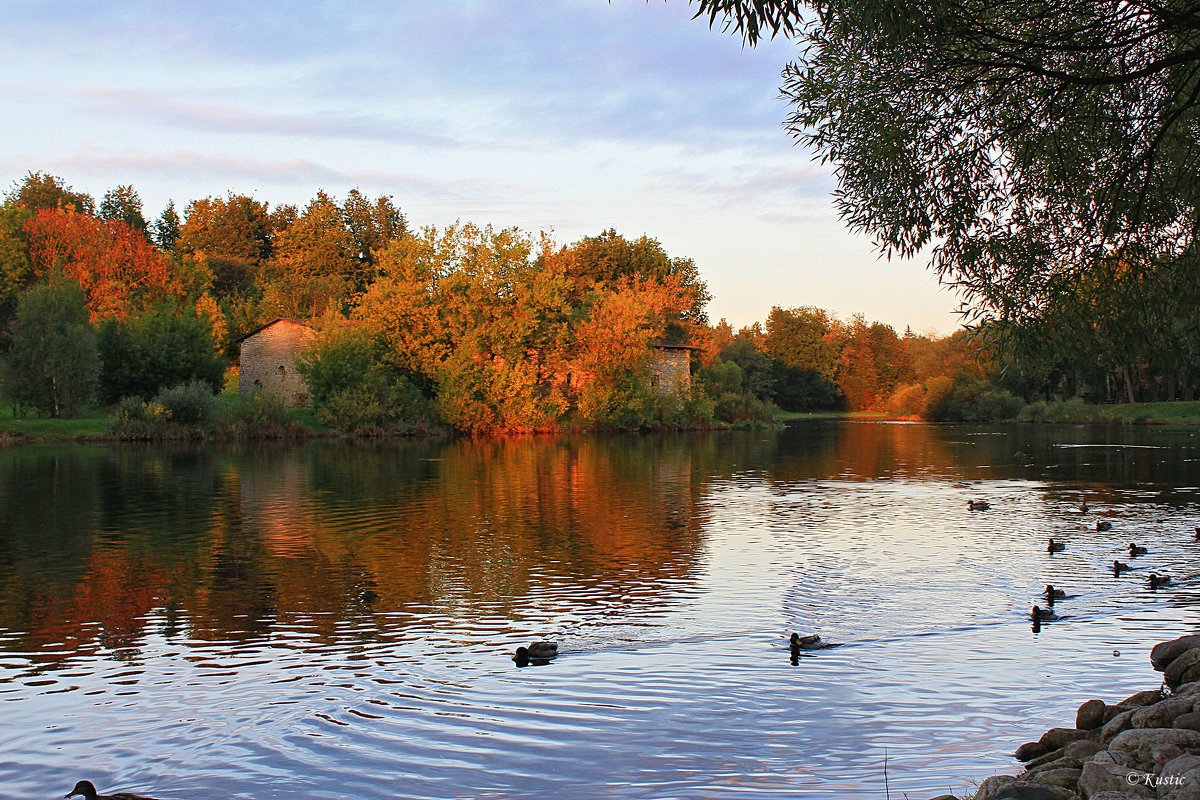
1145,746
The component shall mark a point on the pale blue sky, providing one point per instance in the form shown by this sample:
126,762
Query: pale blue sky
572,116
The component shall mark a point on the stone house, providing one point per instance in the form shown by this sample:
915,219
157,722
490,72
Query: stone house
268,360
670,366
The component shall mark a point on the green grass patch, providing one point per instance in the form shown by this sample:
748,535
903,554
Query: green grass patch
92,425
1156,413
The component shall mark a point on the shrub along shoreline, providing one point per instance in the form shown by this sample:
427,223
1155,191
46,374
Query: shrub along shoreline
261,418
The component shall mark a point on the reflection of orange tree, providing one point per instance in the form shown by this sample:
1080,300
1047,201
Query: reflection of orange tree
116,592
229,543
475,529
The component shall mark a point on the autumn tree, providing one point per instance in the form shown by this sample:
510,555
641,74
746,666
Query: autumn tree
232,235
610,256
117,268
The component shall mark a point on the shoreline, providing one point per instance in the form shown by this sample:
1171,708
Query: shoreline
94,428
1144,746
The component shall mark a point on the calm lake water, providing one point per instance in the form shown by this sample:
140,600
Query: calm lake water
335,621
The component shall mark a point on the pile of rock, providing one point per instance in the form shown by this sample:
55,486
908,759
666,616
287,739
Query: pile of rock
1146,746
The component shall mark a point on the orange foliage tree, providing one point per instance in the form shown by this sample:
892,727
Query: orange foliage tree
118,269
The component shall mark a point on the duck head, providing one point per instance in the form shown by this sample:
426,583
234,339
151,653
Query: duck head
84,788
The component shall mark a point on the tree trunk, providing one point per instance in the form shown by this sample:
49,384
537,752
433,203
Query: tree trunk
1128,383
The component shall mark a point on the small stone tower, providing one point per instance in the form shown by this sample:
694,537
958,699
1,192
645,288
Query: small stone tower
268,360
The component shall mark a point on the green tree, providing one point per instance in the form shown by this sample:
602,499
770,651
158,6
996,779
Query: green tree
16,271
802,338
167,228
354,386
40,191
1019,140
159,348
372,225
53,362
124,204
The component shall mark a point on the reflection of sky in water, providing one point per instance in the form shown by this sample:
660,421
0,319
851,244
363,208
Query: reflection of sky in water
326,621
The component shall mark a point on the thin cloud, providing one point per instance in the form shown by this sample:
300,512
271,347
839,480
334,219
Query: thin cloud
238,172
221,118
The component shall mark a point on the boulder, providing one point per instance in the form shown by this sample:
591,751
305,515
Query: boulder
1183,669
1090,715
990,787
1165,754
1163,653
1116,796
1082,750
1189,721
1049,758
1180,779
1030,751
1140,744
1186,690
1101,776
1148,697
1065,777
1020,790
1058,737
1035,773
1161,714
1121,722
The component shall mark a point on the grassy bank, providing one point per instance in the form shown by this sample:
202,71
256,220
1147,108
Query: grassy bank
92,425
1077,411
95,424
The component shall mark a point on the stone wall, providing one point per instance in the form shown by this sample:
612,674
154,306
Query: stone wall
670,369
268,361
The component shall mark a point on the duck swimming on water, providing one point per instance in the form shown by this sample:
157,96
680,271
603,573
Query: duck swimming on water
1137,550
1157,580
1103,525
1119,567
1039,614
1055,547
978,505
1053,594
88,791
538,652
810,642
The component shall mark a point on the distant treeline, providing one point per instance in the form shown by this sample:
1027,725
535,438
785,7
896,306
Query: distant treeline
466,327
484,330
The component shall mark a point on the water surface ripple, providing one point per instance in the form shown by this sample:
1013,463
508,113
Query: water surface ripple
333,621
